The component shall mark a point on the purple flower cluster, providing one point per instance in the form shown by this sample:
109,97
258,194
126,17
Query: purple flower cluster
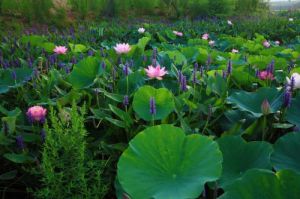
20,142
152,106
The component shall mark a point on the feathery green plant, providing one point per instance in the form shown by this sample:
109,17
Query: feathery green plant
67,170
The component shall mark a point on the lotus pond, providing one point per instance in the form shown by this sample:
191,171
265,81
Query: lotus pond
150,111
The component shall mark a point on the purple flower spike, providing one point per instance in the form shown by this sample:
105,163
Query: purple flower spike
103,65
201,71
180,75
183,86
195,77
292,84
20,142
287,99
68,70
126,69
196,66
126,101
152,106
257,72
90,53
229,67
73,60
271,66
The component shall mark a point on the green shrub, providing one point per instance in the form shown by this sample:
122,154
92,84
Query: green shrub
67,170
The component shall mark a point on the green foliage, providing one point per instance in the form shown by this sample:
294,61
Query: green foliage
165,163
67,169
264,184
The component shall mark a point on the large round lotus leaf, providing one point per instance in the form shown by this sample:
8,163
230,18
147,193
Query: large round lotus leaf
162,162
263,184
292,114
85,72
286,152
251,101
240,156
164,102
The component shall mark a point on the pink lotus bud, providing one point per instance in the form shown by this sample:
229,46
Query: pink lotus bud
265,107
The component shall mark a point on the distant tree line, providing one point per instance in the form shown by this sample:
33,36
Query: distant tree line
42,10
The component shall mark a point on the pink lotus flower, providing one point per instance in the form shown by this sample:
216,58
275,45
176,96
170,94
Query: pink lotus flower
266,44
234,51
141,30
205,36
122,48
180,34
36,114
265,75
211,43
60,50
277,43
155,72
229,22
